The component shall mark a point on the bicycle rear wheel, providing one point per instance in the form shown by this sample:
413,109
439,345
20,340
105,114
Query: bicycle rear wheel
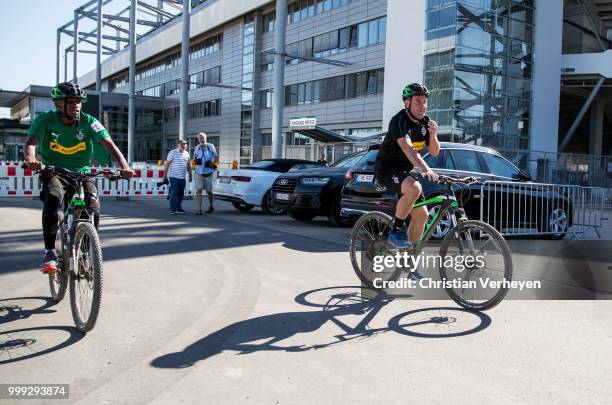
59,280
86,281
482,284
369,247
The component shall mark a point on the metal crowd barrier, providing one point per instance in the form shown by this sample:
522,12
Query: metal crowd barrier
519,209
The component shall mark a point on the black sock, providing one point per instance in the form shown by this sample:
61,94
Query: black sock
399,223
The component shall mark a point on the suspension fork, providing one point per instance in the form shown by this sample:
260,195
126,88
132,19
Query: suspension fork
467,243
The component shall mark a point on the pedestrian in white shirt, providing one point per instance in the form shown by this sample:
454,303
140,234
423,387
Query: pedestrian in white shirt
175,169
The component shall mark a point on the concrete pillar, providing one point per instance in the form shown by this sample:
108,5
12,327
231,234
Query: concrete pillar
184,71
99,60
546,91
75,49
596,127
278,101
132,84
57,57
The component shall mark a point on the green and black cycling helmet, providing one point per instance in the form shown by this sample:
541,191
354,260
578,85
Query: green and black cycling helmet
68,90
414,89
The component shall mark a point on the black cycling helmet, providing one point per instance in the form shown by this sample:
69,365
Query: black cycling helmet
415,89
68,90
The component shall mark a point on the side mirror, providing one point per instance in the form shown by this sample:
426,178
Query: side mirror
523,175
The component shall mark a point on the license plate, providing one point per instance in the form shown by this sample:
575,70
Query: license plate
224,180
365,178
282,196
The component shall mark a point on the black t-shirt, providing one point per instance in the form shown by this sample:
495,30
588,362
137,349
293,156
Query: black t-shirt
390,153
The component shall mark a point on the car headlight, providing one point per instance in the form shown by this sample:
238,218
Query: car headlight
315,181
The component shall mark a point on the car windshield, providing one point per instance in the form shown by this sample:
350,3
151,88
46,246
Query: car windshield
348,161
266,165
302,166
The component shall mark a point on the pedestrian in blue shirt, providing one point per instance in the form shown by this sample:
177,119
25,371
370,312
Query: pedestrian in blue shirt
204,156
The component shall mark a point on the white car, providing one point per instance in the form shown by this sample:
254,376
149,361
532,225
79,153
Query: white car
252,186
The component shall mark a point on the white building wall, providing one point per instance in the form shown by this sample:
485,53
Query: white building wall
403,51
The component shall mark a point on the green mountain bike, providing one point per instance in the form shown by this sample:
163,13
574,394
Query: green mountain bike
478,285
78,249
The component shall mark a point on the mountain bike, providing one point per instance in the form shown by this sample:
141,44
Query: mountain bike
477,286
78,249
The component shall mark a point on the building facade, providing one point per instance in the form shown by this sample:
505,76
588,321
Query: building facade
494,68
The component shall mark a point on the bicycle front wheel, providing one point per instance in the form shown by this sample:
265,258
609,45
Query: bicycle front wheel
86,281
59,280
369,248
476,265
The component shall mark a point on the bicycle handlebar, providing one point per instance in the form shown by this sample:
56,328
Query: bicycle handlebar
449,180
110,174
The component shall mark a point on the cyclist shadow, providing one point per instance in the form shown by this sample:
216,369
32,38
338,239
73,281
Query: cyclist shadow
10,312
266,333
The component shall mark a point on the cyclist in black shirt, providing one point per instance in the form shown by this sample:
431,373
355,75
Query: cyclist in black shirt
410,130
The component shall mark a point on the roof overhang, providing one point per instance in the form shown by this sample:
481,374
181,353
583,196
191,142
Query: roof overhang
318,133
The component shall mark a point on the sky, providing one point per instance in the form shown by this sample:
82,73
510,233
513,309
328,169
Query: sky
28,41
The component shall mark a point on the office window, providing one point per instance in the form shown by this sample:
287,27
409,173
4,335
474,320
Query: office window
269,20
362,35
373,32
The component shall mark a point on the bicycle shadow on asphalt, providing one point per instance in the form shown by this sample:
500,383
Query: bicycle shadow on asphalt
14,312
242,337
26,343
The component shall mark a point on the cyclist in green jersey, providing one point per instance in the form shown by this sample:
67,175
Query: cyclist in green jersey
65,138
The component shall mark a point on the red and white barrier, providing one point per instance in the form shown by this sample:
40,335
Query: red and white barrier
18,182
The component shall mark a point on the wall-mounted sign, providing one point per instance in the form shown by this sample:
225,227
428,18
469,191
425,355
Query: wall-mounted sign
303,123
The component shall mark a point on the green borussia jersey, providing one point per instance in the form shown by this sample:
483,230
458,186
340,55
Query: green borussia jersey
67,146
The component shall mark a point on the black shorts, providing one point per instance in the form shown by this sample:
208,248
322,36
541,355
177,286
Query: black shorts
391,178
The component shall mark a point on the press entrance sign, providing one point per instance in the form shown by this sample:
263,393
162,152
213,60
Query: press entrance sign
304,123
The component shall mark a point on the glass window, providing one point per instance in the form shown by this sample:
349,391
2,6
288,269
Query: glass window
343,38
360,84
373,32
320,6
499,166
301,93
380,87
311,8
466,160
363,35
354,36
324,89
316,91
350,86
371,83
382,30
308,91
293,94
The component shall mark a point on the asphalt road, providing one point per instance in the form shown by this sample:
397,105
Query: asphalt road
246,308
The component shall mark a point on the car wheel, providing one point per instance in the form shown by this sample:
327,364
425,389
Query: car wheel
445,224
301,216
556,220
242,207
334,214
267,204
